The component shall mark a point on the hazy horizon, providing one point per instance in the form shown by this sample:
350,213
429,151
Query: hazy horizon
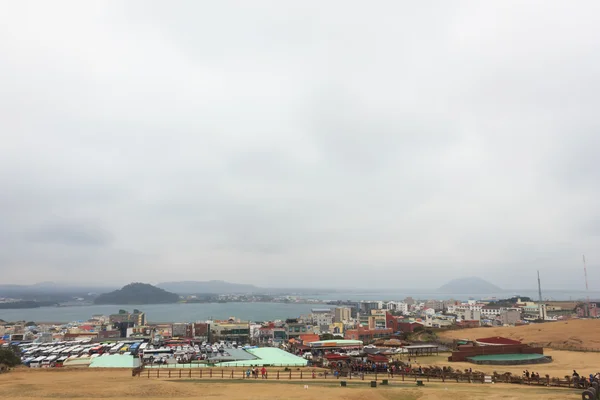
332,144
290,287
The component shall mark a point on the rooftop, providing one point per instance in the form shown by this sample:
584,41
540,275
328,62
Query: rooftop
497,340
115,361
268,356
335,343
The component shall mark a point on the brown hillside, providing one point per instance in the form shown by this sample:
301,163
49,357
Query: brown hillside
560,334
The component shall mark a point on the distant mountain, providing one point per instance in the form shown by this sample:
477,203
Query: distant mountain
472,285
212,287
137,293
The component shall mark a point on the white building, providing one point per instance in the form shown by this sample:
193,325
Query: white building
471,305
429,312
491,312
469,315
321,316
398,306
439,321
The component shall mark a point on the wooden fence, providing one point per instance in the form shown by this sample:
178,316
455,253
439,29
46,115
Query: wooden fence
225,374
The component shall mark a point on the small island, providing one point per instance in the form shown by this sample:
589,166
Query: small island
469,285
137,293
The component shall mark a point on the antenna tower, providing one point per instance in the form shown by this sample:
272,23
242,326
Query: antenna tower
586,288
539,288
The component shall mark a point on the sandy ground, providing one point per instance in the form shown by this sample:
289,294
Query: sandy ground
118,384
576,332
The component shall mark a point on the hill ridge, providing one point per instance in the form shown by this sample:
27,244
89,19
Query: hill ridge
137,293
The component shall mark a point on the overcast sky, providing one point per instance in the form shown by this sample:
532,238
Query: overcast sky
304,143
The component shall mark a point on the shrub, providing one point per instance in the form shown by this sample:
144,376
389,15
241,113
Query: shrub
9,357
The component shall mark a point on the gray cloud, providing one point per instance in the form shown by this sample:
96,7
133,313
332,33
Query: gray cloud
72,234
419,142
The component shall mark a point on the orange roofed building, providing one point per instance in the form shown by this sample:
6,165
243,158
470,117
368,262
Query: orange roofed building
308,338
367,335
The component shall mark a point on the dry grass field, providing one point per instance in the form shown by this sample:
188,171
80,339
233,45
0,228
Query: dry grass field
85,384
576,333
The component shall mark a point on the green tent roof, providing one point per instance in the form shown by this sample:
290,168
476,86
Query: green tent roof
115,361
268,356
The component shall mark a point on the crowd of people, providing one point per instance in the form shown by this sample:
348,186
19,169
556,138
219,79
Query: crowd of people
585,381
255,372
357,367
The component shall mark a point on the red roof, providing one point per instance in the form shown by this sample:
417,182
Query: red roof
331,357
377,358
498,340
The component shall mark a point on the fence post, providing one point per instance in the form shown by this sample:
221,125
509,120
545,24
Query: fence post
169,373
158,373
375,375
148,374
200,372
210,372
300,374
179,373
231,374
222,376
190,374
290,374
277,375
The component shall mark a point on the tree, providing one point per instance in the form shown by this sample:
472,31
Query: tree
9,357
30,323
122,311
418,329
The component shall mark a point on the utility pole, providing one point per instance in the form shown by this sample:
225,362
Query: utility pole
539,288
541,307
588,311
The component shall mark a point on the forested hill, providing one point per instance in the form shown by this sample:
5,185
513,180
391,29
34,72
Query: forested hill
137,293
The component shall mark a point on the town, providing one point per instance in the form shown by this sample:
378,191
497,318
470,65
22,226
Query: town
365,321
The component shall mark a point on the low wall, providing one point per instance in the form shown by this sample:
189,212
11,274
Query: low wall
464,353
541,360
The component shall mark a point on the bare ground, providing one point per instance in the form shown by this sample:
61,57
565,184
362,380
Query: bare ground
119,384
573,333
